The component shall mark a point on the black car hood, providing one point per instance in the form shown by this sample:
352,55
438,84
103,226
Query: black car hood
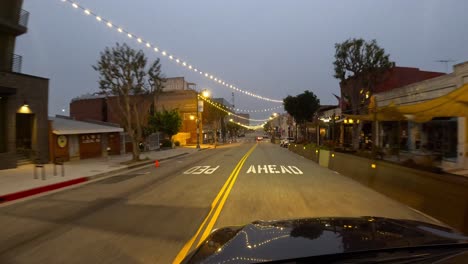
278,240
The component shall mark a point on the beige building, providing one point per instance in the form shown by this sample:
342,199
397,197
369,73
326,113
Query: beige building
444,135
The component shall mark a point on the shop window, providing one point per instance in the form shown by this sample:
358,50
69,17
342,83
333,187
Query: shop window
442,136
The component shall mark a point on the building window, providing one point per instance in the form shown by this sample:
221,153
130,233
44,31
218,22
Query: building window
3,125
442,137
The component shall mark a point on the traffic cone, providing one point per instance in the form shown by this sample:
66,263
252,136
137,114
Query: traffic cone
156,163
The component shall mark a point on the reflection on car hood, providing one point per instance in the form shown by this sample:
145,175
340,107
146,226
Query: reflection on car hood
277,240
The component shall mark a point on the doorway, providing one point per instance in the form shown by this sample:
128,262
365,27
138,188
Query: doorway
24,132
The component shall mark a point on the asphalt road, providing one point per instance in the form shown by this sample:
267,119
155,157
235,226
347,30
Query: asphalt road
156,215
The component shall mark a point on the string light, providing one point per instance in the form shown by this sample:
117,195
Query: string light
171,57
255,111
223,108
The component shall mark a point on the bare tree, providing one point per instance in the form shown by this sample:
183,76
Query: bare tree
122,76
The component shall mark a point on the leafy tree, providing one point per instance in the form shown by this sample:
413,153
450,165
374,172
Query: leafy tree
168,122
122,75
302,107
233,129
267,127
359,65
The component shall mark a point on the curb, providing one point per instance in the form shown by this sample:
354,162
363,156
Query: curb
47,188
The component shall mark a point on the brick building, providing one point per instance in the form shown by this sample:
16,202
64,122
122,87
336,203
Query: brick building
23,98
394,78
176,94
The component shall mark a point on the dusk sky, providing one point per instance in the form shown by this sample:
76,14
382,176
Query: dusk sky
271,48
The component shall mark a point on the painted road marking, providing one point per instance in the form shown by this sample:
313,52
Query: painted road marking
201,169
215,209
272,169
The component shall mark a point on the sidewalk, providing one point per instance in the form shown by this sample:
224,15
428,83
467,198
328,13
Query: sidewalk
19,182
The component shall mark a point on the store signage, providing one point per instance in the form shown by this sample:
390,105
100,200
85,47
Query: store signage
92,138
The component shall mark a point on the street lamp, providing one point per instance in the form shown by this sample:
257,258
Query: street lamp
204,93
197,122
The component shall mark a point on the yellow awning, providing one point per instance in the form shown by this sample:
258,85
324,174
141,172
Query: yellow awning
453,104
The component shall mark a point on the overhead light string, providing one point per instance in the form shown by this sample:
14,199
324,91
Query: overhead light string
223,108
111,25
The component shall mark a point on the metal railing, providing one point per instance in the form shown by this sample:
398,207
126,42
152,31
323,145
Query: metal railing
16,63
23,18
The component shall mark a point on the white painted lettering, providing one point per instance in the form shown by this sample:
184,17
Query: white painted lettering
251,169
264,168
284,170
210,171
189,171
202,169
295,170
272,169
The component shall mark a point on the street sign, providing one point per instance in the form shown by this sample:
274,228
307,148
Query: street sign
200,106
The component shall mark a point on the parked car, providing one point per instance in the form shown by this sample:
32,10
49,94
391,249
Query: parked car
259,138
286,141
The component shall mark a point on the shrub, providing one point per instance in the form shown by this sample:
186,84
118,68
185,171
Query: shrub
177,143
166,143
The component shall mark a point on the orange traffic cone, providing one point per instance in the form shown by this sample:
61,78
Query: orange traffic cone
156,163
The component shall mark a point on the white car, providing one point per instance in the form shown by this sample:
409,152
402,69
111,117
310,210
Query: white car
286,141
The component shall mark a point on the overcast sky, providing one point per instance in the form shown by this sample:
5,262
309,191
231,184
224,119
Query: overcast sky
272,48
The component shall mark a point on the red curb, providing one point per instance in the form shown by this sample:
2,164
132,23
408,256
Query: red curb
34,191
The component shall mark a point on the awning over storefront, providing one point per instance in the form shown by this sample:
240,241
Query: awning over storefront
63,126
453,104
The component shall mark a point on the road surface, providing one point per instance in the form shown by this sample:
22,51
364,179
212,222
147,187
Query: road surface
157,215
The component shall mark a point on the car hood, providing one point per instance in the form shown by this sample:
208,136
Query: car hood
286,239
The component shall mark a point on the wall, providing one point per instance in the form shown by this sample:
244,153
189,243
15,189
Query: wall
175,84
91,109
401,76
35,92
57,151
425,90
113,141
90,145
442,196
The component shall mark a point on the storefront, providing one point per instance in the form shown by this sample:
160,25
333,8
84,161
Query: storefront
71,139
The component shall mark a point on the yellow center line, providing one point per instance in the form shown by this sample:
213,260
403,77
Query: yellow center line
183,252
226,194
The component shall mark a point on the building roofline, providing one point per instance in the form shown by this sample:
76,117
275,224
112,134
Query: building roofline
26,75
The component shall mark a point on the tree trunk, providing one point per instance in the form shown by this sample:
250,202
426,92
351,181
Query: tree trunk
356,135
296,134
130,130
135,150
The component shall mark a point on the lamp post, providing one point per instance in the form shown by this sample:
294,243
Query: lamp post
204,93
198,125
